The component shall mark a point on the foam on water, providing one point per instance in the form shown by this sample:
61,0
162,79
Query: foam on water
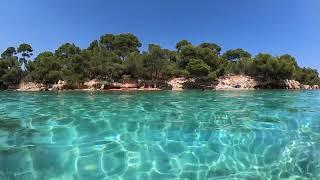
160,135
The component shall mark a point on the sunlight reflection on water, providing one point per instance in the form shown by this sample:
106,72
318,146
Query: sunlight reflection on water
160,135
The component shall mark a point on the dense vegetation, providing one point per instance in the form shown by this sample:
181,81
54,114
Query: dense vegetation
117,57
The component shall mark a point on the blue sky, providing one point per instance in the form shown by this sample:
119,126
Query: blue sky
273,26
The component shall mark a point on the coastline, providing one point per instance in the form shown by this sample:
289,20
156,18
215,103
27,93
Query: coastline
154,90
224,83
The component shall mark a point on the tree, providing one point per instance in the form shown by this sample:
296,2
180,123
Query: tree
134,66
156,63
116,57
10,71
211,46
75,69
107,41
187,53
44,54
94,46
10,51
236,54
67,50
287,67
122,44
209,56
307,76
105,65
172,55
267,67
198,68
289,59
182,44
26,52
46,68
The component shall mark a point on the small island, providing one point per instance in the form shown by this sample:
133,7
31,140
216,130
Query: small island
115,62
159,90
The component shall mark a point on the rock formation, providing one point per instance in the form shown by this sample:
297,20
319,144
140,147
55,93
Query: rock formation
291,84
59,86
177,84
31,86
315,87
93,84
227,82
230,82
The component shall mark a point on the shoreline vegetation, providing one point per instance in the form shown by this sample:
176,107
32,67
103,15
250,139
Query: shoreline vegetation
115,62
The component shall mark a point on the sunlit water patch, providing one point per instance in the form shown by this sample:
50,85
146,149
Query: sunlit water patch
160,135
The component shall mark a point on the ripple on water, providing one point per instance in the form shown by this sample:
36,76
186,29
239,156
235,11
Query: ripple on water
160,135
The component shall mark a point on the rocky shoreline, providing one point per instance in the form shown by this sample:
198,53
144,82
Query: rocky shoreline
92,85
227,82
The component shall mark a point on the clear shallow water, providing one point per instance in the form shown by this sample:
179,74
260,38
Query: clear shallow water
160,135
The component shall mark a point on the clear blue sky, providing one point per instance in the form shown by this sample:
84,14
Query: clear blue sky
273,26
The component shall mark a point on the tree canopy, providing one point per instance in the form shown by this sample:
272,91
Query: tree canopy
114,57
236,54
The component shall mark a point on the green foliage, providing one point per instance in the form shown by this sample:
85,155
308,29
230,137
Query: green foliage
45,68
211,46
182,44
10,51
157,63
94,46
106,41
26,52
198,68
212,76
122,44
134,66
75,69
117,57
267,67
307,76
10,71
67,50
209,56
236,54
104,65
25,49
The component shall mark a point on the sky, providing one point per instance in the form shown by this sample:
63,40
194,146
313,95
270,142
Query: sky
269,26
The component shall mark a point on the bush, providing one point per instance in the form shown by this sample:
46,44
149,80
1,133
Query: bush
212,76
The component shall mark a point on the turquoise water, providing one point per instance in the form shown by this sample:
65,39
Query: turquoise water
160,135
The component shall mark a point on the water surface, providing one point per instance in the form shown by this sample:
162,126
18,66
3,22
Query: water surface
160,135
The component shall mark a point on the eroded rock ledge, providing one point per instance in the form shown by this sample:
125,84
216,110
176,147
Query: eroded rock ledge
227,82
94,85
31,86
231,82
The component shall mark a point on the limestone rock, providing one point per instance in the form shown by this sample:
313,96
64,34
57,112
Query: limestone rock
59,86
93,84
124,85
306,87
291,84
310,87
229,82
31,86
315,87
177,84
